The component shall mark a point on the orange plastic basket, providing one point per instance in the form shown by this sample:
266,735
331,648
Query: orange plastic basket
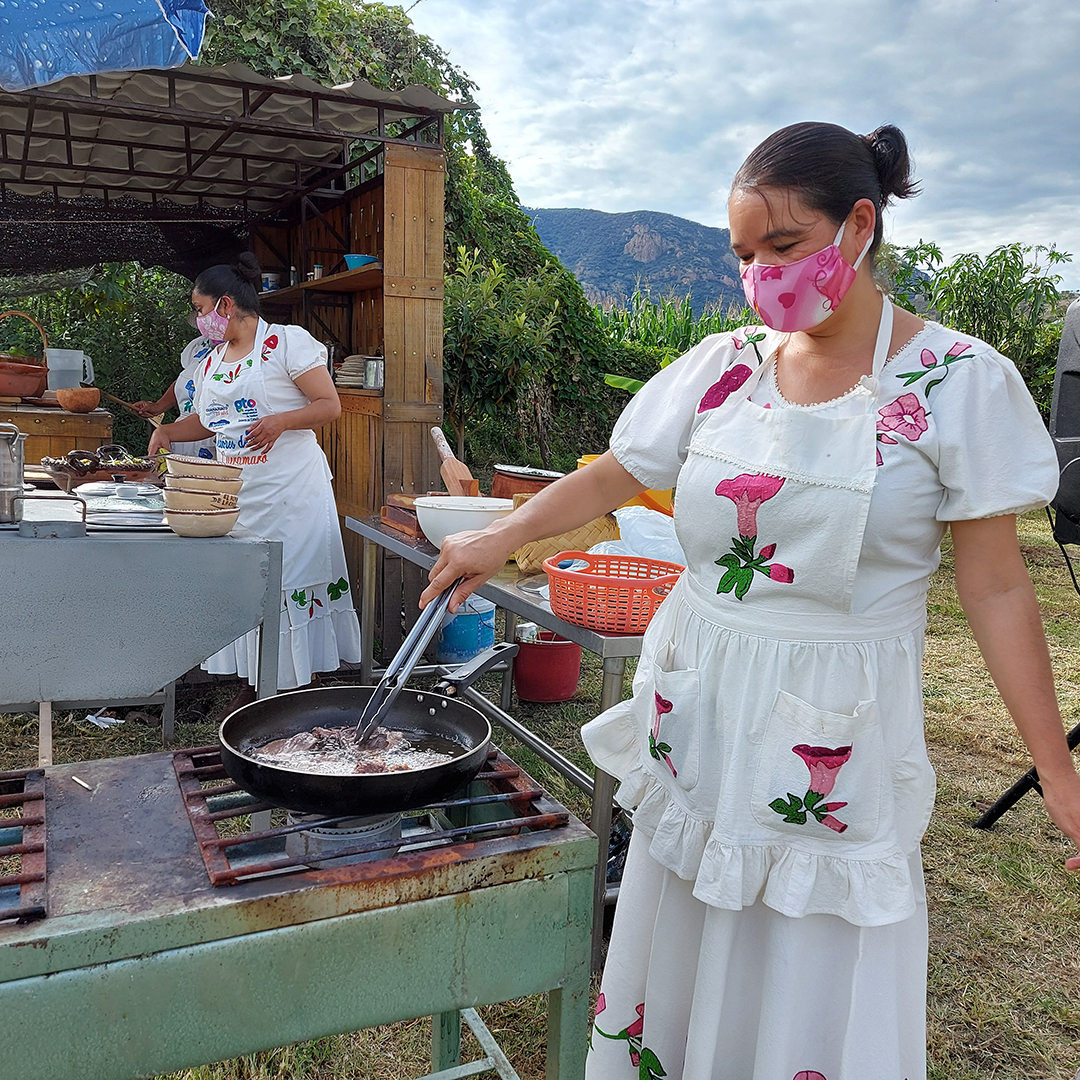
615,594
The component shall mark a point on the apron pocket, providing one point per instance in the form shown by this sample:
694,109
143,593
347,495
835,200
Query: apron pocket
820,775
674,732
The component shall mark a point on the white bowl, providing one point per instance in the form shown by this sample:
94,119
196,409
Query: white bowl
201,522
188,499
226,485
185,465
442,515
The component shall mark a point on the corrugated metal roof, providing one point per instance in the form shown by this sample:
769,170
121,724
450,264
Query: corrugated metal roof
190,143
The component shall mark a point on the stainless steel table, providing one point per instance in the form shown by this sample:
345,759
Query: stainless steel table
113,616
519,597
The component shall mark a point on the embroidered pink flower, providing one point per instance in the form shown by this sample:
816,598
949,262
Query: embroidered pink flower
721,390
809,1074
928,358
957,350
601,1005
270,343
905,416
767,552
823,764
638,1026
748,492
658,749
779,572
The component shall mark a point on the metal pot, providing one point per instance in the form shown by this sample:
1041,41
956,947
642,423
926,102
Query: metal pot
11,472
417,712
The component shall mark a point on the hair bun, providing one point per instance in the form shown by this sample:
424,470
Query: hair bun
247,267
892,162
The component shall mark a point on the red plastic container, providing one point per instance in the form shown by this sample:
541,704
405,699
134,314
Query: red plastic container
548,669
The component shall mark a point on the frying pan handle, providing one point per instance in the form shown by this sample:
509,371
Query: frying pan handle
467,674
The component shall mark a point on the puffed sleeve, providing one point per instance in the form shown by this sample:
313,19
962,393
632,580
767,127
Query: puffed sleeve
651,436
299,351
995,455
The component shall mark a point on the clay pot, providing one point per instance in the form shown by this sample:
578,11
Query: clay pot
79,399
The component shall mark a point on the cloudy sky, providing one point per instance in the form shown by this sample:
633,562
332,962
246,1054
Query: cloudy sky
652,104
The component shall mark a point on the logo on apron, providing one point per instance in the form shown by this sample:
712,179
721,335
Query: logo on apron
246,409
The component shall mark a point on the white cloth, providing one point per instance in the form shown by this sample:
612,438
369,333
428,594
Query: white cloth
286,496
192,360
773,750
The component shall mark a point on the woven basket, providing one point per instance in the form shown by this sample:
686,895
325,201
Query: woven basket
530,557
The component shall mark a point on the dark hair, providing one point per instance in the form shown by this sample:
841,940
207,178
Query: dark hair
832,168
239,281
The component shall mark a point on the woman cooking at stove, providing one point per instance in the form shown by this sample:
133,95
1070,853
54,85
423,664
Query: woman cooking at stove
772,919
262,393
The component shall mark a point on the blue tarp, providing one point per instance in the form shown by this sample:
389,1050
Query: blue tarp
45,40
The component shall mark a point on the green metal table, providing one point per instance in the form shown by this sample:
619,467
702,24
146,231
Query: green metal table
143,966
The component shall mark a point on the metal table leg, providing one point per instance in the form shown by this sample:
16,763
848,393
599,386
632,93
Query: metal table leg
445,1041
168,715
270,630
367,612
509,633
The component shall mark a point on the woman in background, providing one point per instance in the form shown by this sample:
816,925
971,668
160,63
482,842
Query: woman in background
181,396
262,393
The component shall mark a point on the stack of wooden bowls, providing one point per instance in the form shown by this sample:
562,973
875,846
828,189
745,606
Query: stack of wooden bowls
201,495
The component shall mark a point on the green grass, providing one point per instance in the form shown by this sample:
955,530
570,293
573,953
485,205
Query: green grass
1004,976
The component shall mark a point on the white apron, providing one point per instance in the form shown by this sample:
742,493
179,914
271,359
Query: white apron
286,496
769,779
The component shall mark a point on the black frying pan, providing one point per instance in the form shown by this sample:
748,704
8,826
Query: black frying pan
335,706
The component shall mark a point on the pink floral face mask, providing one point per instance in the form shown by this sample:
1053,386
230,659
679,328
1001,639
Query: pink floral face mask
213,324
798,295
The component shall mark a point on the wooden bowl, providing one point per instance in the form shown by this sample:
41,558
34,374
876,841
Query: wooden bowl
201,522
226,485
78,398
184,465
188,499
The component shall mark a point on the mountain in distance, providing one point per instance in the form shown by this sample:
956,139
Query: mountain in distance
611,255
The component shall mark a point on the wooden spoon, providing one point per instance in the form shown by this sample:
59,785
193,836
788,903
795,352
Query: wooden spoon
455,474
155,420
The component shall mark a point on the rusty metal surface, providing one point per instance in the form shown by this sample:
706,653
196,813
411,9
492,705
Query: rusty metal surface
25,788
126,877
510,803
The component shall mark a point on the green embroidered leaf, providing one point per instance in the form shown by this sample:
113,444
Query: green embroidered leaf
911,376
729,560
819,814
649,1067
811,799
727,582
796,802
796,818
663,748
780,807
745,578
930,385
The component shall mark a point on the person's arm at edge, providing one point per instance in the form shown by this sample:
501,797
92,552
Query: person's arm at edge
998,598
189,429
575,500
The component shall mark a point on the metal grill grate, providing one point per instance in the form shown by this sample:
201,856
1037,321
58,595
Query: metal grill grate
501,801
22,844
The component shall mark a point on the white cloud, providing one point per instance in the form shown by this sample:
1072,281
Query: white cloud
652,104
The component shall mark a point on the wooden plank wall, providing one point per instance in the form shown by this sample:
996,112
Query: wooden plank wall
413,187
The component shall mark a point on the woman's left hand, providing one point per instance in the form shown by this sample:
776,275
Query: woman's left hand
265,432
1061,796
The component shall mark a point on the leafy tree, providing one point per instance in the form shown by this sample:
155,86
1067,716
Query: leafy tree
1008,298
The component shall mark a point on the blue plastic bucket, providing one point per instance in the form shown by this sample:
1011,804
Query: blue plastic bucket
470,631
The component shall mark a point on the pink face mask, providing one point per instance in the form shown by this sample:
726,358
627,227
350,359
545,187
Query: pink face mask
213,325
798,295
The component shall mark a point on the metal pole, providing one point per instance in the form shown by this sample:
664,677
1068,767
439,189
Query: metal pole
1029,780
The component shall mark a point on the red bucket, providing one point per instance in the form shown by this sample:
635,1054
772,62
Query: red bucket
547,669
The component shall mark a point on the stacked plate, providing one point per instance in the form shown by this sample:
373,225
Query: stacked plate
122,505
352,372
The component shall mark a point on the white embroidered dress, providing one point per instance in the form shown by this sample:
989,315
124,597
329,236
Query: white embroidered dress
772,919
286,496
192,361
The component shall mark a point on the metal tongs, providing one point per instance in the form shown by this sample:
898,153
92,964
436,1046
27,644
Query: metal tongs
401,667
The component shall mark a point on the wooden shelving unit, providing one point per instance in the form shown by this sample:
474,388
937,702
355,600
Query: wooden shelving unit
349,281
